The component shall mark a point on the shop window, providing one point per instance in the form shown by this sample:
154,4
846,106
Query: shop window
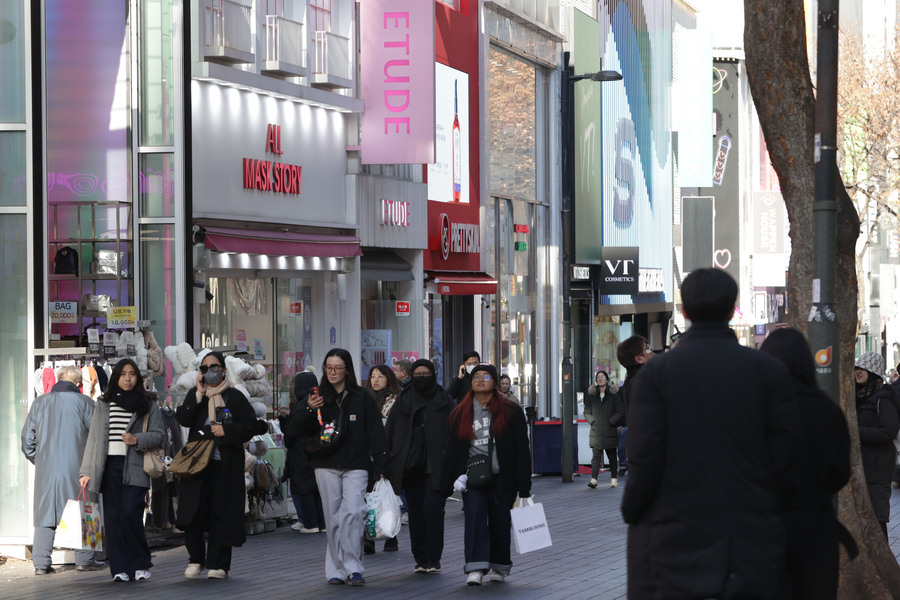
158,284
13,176
388,329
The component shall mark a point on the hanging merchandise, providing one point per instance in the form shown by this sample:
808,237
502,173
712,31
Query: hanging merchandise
66,261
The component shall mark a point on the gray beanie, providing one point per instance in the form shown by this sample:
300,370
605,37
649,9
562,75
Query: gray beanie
871,362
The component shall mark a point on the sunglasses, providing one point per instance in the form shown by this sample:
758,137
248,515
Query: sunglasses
214,368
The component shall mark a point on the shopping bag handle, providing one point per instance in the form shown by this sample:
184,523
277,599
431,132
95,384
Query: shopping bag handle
82,495
529,501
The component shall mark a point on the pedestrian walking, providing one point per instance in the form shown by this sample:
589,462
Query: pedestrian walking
385,387
53,440
212,503
345,420
713,442
604,411
632,353
812,528
877,416
417,437
506,389
304,491
113,464
487,428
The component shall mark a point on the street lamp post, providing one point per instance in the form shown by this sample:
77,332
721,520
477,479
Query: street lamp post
567,110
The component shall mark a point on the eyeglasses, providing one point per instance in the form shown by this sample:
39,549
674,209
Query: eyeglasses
330,369
214,368
481,378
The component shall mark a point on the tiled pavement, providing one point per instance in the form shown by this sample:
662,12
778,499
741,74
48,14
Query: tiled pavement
587,560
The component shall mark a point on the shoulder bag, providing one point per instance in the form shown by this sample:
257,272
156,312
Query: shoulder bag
328,438
192,459
480,467
154,458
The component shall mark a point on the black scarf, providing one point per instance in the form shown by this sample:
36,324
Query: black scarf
132,401
867,390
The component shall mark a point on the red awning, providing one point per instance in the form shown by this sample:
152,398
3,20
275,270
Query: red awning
451,283
281,243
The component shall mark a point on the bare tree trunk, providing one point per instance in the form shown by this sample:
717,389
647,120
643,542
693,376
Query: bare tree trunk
779,75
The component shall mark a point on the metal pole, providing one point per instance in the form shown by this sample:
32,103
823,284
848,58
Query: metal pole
824,335
568,190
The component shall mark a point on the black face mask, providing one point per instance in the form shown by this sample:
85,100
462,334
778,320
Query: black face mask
423,383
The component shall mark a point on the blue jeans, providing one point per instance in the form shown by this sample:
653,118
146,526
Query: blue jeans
623,462
487,528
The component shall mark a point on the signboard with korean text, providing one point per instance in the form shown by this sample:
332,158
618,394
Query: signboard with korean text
121,317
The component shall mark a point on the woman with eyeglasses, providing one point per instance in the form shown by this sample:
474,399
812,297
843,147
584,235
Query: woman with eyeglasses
345,438
113,465
487,433
213,502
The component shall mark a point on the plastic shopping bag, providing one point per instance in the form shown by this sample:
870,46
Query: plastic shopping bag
81,525
383,512
529,525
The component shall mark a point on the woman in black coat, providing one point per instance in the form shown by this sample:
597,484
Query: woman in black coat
213,502
605,412
417,435
485,423
304,491
810,522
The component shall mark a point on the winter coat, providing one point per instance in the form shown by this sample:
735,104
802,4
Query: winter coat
431,413
459,387
878,426
713,444
363,445
230,497
95,451
510,446
604,414
625,390
299,470
53,440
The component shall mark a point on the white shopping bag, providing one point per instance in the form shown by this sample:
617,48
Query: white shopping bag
383,512
529,525
81,525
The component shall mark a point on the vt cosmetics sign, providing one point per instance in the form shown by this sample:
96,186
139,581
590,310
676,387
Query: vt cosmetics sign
619,271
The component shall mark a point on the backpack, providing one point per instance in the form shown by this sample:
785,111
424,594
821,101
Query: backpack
66,261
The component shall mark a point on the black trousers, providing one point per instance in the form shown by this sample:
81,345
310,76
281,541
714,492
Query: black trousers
123,521
213,554
597,461
425,508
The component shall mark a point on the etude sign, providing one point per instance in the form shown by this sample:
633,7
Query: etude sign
397,81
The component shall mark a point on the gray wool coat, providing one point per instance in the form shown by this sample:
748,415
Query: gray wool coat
98,444
53,440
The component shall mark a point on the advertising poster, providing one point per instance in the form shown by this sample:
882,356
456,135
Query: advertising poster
448,177
375,349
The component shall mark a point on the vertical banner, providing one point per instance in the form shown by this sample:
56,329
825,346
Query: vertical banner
448,177
397,81
695,108
770,260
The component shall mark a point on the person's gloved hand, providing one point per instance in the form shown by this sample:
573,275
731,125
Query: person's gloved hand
460,484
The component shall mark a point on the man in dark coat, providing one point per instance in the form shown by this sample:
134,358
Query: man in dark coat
462,383
53,439
417,435
632,353
713,436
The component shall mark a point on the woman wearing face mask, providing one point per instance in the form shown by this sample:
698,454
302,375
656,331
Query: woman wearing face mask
213,502
604,411
113,464
417,434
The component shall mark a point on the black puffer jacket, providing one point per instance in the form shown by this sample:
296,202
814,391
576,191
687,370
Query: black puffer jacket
604,415
878,426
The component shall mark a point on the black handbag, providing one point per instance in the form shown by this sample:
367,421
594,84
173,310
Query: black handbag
480,467
328,439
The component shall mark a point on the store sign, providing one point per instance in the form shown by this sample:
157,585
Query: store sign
401,309
296,309
651,280
397,79
272,176
398,356
520,228
394,213
458,237
64,312
619,270
581,273
121,317
520,246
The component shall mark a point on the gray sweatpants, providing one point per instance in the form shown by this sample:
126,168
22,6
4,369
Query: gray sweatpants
43,548
344,504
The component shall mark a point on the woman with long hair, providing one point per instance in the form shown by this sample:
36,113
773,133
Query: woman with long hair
605,412
385,387
126,423
487,428
213,502
346,438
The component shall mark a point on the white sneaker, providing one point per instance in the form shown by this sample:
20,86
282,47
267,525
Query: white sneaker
496,576
613,482
193,569
140,575
217,574
297,526
310,530
474,578
592,484
121,577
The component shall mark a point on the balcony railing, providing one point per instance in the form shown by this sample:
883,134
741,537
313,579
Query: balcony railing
228,31
332,56
284,41
543,12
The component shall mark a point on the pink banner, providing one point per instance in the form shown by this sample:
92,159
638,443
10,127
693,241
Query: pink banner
397,81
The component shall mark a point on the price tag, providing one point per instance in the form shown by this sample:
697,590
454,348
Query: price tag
63,312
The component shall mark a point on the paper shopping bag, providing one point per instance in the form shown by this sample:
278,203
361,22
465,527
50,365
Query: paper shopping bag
81,525
529,525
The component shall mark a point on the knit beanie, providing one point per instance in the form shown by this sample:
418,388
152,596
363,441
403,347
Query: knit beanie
489,369
422,362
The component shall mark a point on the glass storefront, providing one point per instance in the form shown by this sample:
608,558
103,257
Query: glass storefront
388,330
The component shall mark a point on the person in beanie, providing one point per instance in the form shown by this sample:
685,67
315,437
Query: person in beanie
417,435
304,491
485,425
876,414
